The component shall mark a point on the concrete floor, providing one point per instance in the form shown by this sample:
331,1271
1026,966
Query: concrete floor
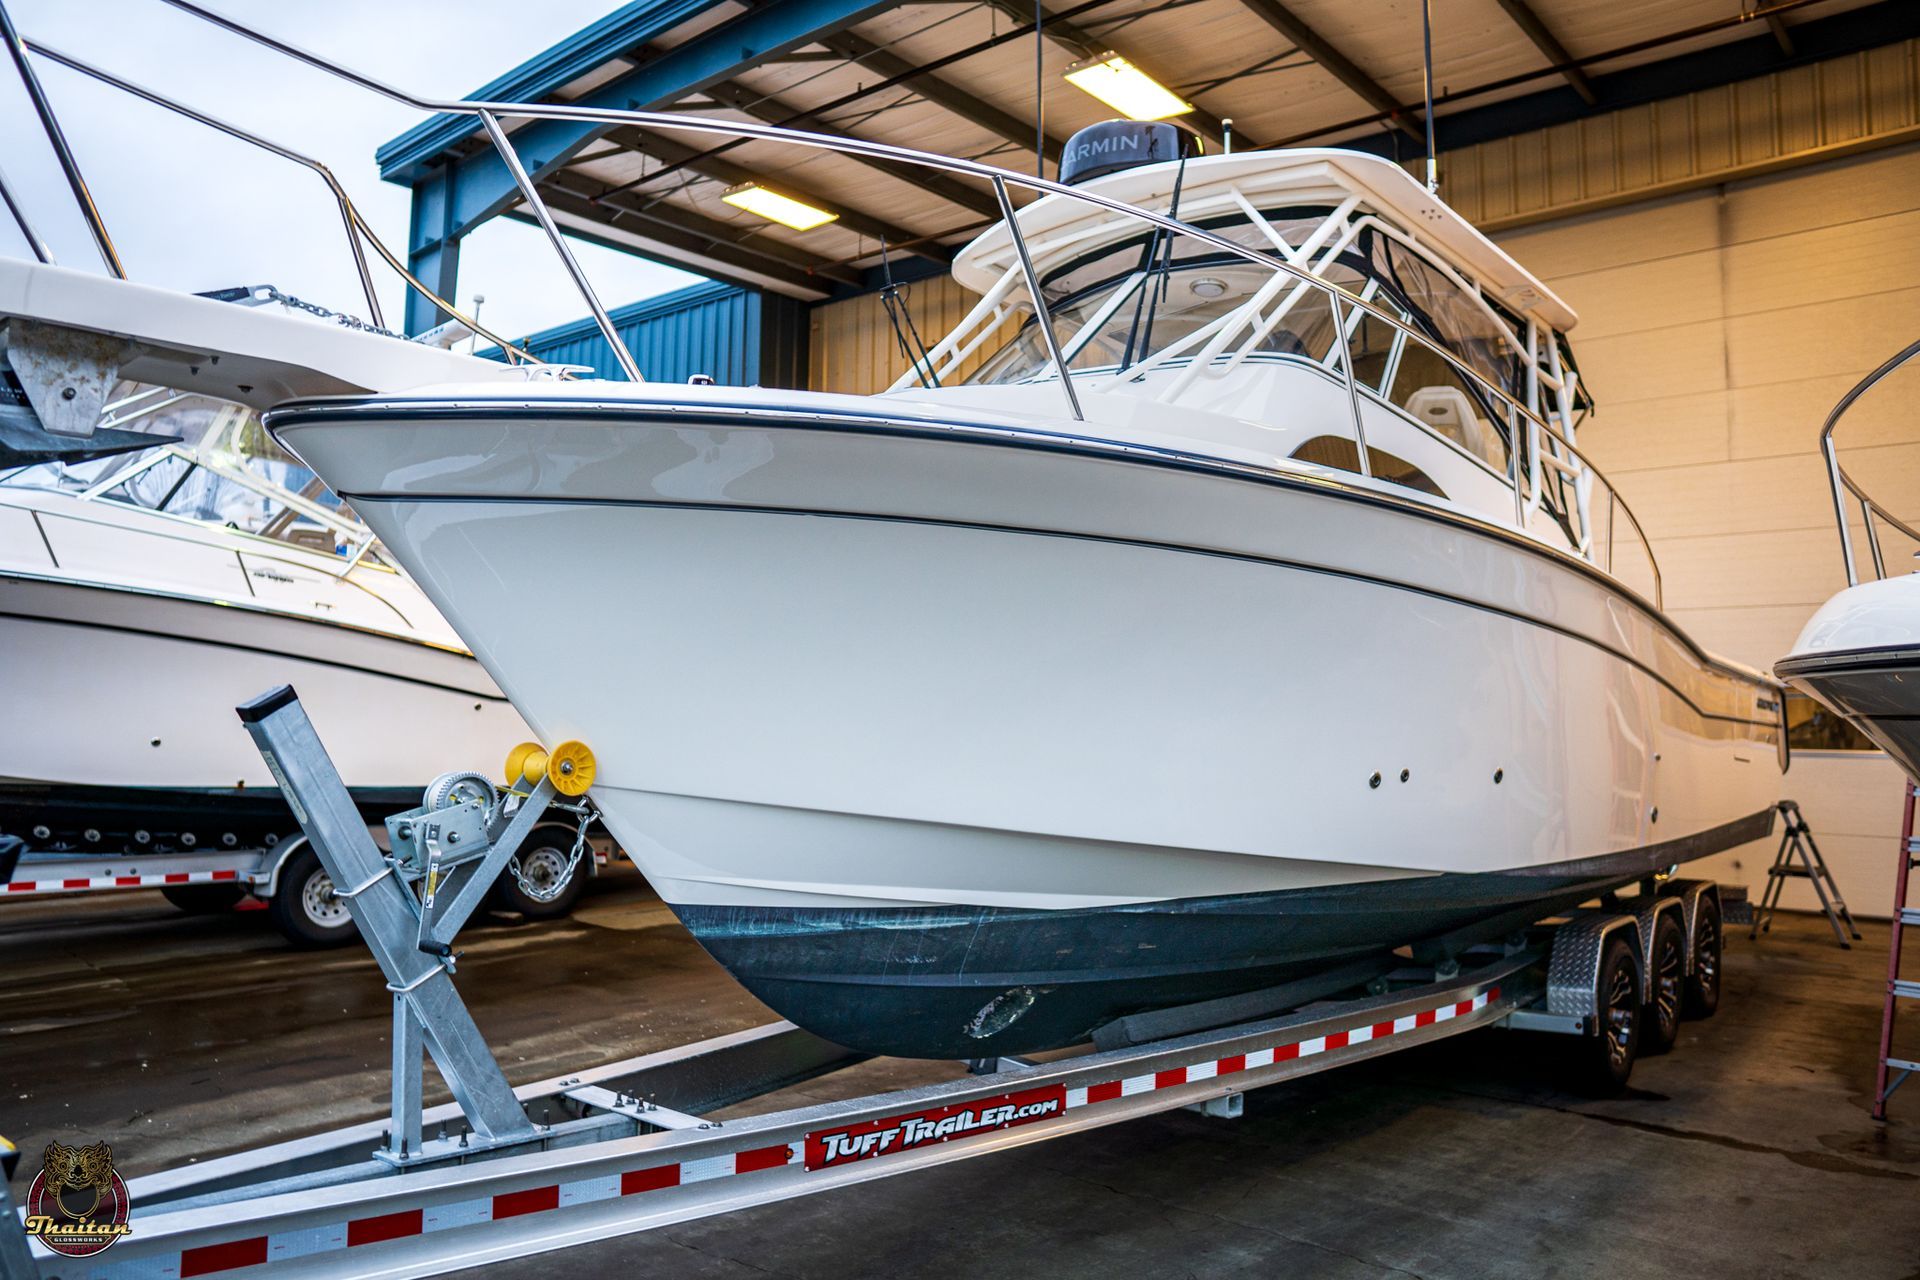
1747,1152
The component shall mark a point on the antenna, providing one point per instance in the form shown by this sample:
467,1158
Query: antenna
1426,31
1039,91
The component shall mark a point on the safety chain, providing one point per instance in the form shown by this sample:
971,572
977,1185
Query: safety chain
261,293
340,318
559,883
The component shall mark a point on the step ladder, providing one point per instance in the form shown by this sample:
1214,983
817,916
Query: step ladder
1892,1072
1798,857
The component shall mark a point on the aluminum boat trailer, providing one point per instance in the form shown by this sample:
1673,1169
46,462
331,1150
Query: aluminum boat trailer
504,1172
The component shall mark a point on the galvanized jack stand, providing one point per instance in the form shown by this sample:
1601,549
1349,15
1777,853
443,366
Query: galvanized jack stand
453,848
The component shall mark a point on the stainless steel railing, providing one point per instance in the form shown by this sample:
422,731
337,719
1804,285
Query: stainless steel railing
1844,485
356,226
490,113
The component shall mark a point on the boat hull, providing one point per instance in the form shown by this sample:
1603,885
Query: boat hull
125,698
892,717
1860,655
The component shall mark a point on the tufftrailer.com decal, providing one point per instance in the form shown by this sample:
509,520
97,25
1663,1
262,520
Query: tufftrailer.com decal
829,1147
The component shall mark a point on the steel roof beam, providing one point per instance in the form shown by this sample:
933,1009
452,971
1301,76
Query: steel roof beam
479,186
1547,43
770,110
713,166
942,93
1336,64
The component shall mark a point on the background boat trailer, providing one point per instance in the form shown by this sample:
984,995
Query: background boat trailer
503,1172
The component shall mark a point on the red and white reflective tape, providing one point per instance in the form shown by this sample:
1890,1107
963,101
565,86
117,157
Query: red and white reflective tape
938,1124
1278,1053
79,884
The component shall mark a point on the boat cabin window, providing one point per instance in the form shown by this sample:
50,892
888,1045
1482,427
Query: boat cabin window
1448,313
1811,727
212,461
1114,308
1341,454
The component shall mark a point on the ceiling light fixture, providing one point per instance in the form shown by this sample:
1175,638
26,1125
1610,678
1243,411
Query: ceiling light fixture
775,207
1126,88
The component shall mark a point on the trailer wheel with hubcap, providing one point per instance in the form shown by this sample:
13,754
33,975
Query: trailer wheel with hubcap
543,860
203,899
304,906
1703,984
1660,1028
1606,1059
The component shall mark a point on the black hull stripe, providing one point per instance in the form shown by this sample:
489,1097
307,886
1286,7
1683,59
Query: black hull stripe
964,982
1842,661
249,648
875,424
362,500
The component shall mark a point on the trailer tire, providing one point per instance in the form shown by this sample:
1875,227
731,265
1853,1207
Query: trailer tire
1667,979
543,852
204,899
304,908
1703,984
1605,1059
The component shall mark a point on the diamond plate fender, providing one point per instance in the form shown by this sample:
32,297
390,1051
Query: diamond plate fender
1573,969
1691,894
1646,918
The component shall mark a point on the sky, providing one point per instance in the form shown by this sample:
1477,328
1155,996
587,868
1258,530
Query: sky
192,209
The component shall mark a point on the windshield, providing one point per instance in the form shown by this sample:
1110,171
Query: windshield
1146,298
214,461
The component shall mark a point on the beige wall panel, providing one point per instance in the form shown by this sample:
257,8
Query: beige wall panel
851,346
1669,431
1615,300
1846,191
1788,567
1653,363
1892,86
1758,495
1852,334
1848,260
1785,417
1561,251
1754,634
1843,94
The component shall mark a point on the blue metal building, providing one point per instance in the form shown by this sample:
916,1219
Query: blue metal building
735,335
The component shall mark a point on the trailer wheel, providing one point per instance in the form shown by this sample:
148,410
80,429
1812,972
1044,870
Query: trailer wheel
1703,984
543,857
1660,1028
203,899
304,907
1606,1059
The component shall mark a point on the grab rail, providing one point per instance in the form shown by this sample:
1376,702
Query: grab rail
488,113
1844,484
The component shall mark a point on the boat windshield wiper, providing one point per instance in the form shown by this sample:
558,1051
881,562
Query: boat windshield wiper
1156,284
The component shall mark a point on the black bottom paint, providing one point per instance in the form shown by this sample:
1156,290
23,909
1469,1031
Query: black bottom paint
213,818
974,982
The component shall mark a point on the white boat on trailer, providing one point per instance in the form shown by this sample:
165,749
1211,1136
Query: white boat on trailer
961,719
